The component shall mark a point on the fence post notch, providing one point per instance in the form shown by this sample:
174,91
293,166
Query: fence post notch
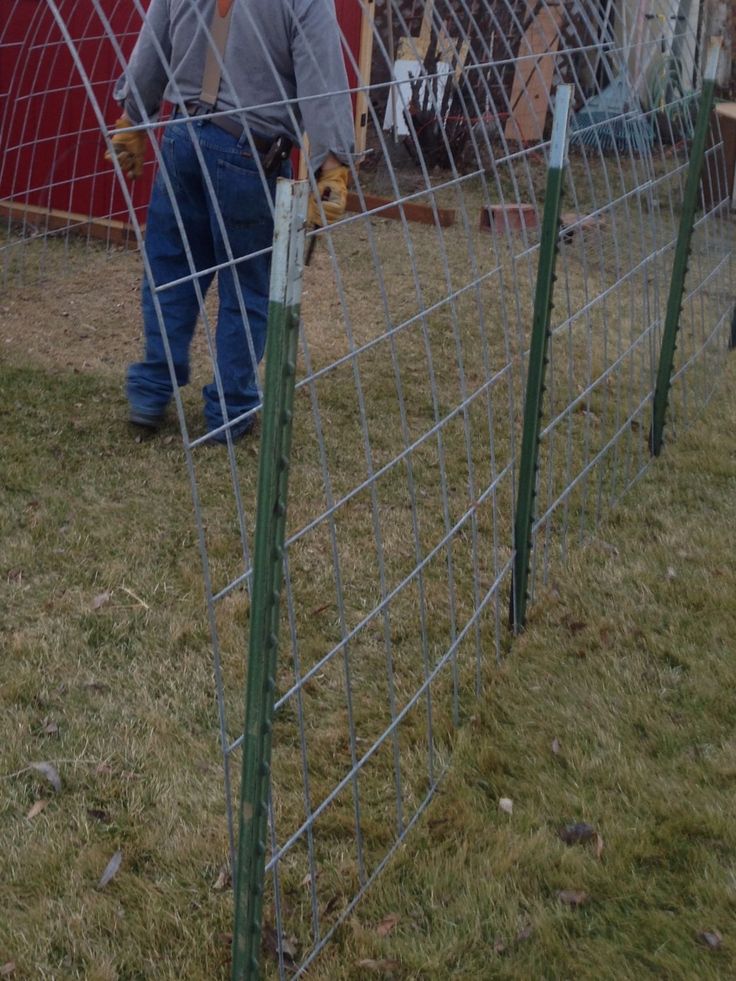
278,401
682,250
537,367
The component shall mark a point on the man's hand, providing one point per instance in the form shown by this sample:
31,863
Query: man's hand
332,187
129,147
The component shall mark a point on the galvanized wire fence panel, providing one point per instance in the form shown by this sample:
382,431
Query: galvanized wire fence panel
416,309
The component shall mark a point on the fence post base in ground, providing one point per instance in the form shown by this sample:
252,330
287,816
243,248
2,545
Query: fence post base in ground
278,402
528,463
682,250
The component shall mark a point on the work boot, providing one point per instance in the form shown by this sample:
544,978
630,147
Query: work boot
146,420
237,433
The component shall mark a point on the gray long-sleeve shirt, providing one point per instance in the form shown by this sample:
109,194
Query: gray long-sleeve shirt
283,64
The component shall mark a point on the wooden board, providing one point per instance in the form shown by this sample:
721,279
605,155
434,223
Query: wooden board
533,78
365,58
122,233
388,208
413,48
53,219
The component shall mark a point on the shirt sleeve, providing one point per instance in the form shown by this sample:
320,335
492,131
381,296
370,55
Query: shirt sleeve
141,87
322,83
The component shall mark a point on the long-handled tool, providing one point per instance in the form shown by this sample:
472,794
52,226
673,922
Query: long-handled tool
313,240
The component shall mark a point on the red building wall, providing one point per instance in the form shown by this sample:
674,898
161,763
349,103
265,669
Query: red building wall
52,151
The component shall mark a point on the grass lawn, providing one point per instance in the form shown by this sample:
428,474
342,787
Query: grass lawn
627,668
616,709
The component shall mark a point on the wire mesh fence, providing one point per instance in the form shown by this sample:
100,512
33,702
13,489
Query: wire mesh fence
416,318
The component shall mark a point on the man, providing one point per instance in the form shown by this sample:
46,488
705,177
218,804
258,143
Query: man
276,66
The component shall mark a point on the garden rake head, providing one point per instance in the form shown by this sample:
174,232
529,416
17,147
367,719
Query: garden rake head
613,119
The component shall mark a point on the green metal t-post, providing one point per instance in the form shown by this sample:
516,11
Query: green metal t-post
529,460
281,352
682,249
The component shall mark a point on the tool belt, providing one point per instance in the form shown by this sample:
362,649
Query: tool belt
272,152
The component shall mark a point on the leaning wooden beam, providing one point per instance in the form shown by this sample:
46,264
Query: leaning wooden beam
389,208
53,220
364,75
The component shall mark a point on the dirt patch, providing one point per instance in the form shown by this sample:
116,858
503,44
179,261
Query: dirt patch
76,308
84,317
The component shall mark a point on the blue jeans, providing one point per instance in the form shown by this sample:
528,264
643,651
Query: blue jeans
248,227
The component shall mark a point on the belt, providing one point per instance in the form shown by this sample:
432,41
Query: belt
263,145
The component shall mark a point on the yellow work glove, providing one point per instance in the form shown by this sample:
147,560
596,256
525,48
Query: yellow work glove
129,147
332,186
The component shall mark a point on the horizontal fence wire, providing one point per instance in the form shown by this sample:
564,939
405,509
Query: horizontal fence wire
414,343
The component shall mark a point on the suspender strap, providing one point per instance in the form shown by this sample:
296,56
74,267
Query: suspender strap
219,30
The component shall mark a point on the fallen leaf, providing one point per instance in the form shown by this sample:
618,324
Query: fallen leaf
573,897
556,746
99,815
711,938
506,805
598,845
100,600
573,834
224,880
331,906
269,941
387,924
36,809
378,966
7,969
111,870
51,774
271,945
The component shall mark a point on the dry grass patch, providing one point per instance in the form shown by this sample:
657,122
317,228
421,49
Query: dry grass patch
616,708
118,692
628,663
